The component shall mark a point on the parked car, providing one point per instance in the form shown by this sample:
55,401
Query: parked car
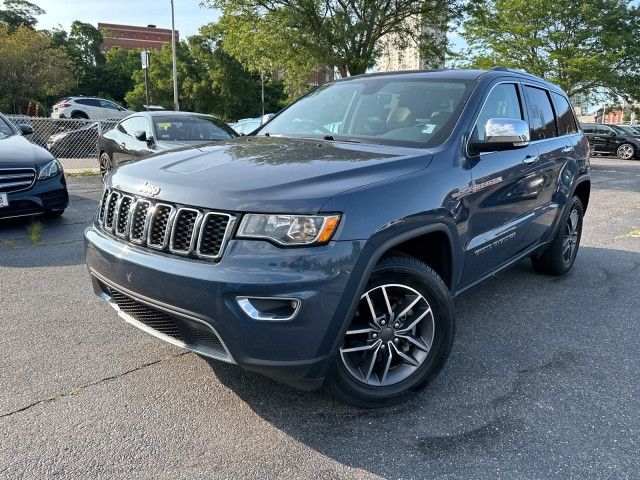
246,125
89,108
326,249
77,143
31,179
611,140
146,133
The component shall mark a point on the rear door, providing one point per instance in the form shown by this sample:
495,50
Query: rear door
503,193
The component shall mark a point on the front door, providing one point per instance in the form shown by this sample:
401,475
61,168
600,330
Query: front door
504,192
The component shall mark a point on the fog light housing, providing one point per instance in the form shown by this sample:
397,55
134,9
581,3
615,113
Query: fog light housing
273,309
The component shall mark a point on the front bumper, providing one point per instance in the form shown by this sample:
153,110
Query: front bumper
295,351
43,197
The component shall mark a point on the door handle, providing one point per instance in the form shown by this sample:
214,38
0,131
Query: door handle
567,149
123,145
529,159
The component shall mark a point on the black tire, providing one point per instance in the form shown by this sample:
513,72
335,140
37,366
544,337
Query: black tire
410,272
554,260
626,151
79,115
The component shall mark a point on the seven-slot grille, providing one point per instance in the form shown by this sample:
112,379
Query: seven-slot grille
16,179
161,226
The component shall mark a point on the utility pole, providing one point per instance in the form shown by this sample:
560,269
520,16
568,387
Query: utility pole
144,56
176,105
262,81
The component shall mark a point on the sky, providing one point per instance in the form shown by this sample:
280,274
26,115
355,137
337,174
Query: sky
189,15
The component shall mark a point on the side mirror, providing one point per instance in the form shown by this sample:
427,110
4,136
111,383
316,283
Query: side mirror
151,141
503,134
140,135
25,129
266,118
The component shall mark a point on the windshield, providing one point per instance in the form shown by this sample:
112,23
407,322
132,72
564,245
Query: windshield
412,112
5,129
190,128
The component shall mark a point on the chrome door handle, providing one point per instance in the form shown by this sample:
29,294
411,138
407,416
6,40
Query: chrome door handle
529,159
123,145
567,149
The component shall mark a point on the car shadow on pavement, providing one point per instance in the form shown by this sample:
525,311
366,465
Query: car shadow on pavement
525,344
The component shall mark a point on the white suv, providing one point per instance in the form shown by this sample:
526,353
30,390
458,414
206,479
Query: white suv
90,108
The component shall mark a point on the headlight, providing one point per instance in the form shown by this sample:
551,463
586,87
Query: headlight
51,169
289,229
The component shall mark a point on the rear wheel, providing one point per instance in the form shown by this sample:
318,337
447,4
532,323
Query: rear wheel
79,115
399,337
560,255
626,151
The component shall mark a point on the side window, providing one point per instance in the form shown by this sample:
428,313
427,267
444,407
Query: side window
541,119
106,104
606,130
588,129
503,102
135,124
84,101
566,121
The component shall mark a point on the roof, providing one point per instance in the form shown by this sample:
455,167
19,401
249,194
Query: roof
164,113
454,74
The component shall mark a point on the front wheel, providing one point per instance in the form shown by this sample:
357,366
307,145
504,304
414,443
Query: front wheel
626,151
399,337
105,164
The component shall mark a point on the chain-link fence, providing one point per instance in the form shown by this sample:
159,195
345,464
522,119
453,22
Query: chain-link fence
65,138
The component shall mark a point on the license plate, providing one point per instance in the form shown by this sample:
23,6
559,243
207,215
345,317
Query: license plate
4,200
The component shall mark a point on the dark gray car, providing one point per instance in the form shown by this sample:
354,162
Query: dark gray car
327,247
146,133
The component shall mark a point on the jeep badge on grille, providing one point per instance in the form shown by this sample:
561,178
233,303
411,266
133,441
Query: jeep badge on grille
148,189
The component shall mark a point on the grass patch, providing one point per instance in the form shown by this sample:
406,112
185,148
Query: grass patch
10,244
34,232
87,172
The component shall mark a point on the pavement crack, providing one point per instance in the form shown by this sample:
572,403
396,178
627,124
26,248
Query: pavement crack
80,388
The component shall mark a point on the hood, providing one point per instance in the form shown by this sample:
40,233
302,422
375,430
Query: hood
17,151
260,174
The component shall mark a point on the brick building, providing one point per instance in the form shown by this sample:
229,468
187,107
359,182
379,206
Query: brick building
129,37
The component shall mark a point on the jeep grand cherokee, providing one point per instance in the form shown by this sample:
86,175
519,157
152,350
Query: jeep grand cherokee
326,248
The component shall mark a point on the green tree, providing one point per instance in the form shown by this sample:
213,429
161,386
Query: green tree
581,45
31,68
19,13
84,44
347,34
117,73
209,81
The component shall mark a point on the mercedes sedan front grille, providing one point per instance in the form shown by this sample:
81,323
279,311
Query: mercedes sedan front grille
16,179
176,229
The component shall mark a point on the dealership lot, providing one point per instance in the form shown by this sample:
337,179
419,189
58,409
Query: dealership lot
543,381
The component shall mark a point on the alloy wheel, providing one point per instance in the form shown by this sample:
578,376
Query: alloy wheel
390,336
105,164
570,243
625,152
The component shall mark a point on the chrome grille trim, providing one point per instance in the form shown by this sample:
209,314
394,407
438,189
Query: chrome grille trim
142,234
167,228
194,231
16,179
227,234
145,225
122,233
112,202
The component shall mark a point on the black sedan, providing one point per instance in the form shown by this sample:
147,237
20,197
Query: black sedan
612,140
78,143
146,133
31,179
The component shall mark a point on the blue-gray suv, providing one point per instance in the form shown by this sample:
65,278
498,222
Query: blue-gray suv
326,248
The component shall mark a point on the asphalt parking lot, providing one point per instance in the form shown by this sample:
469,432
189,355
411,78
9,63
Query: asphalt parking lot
543,381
